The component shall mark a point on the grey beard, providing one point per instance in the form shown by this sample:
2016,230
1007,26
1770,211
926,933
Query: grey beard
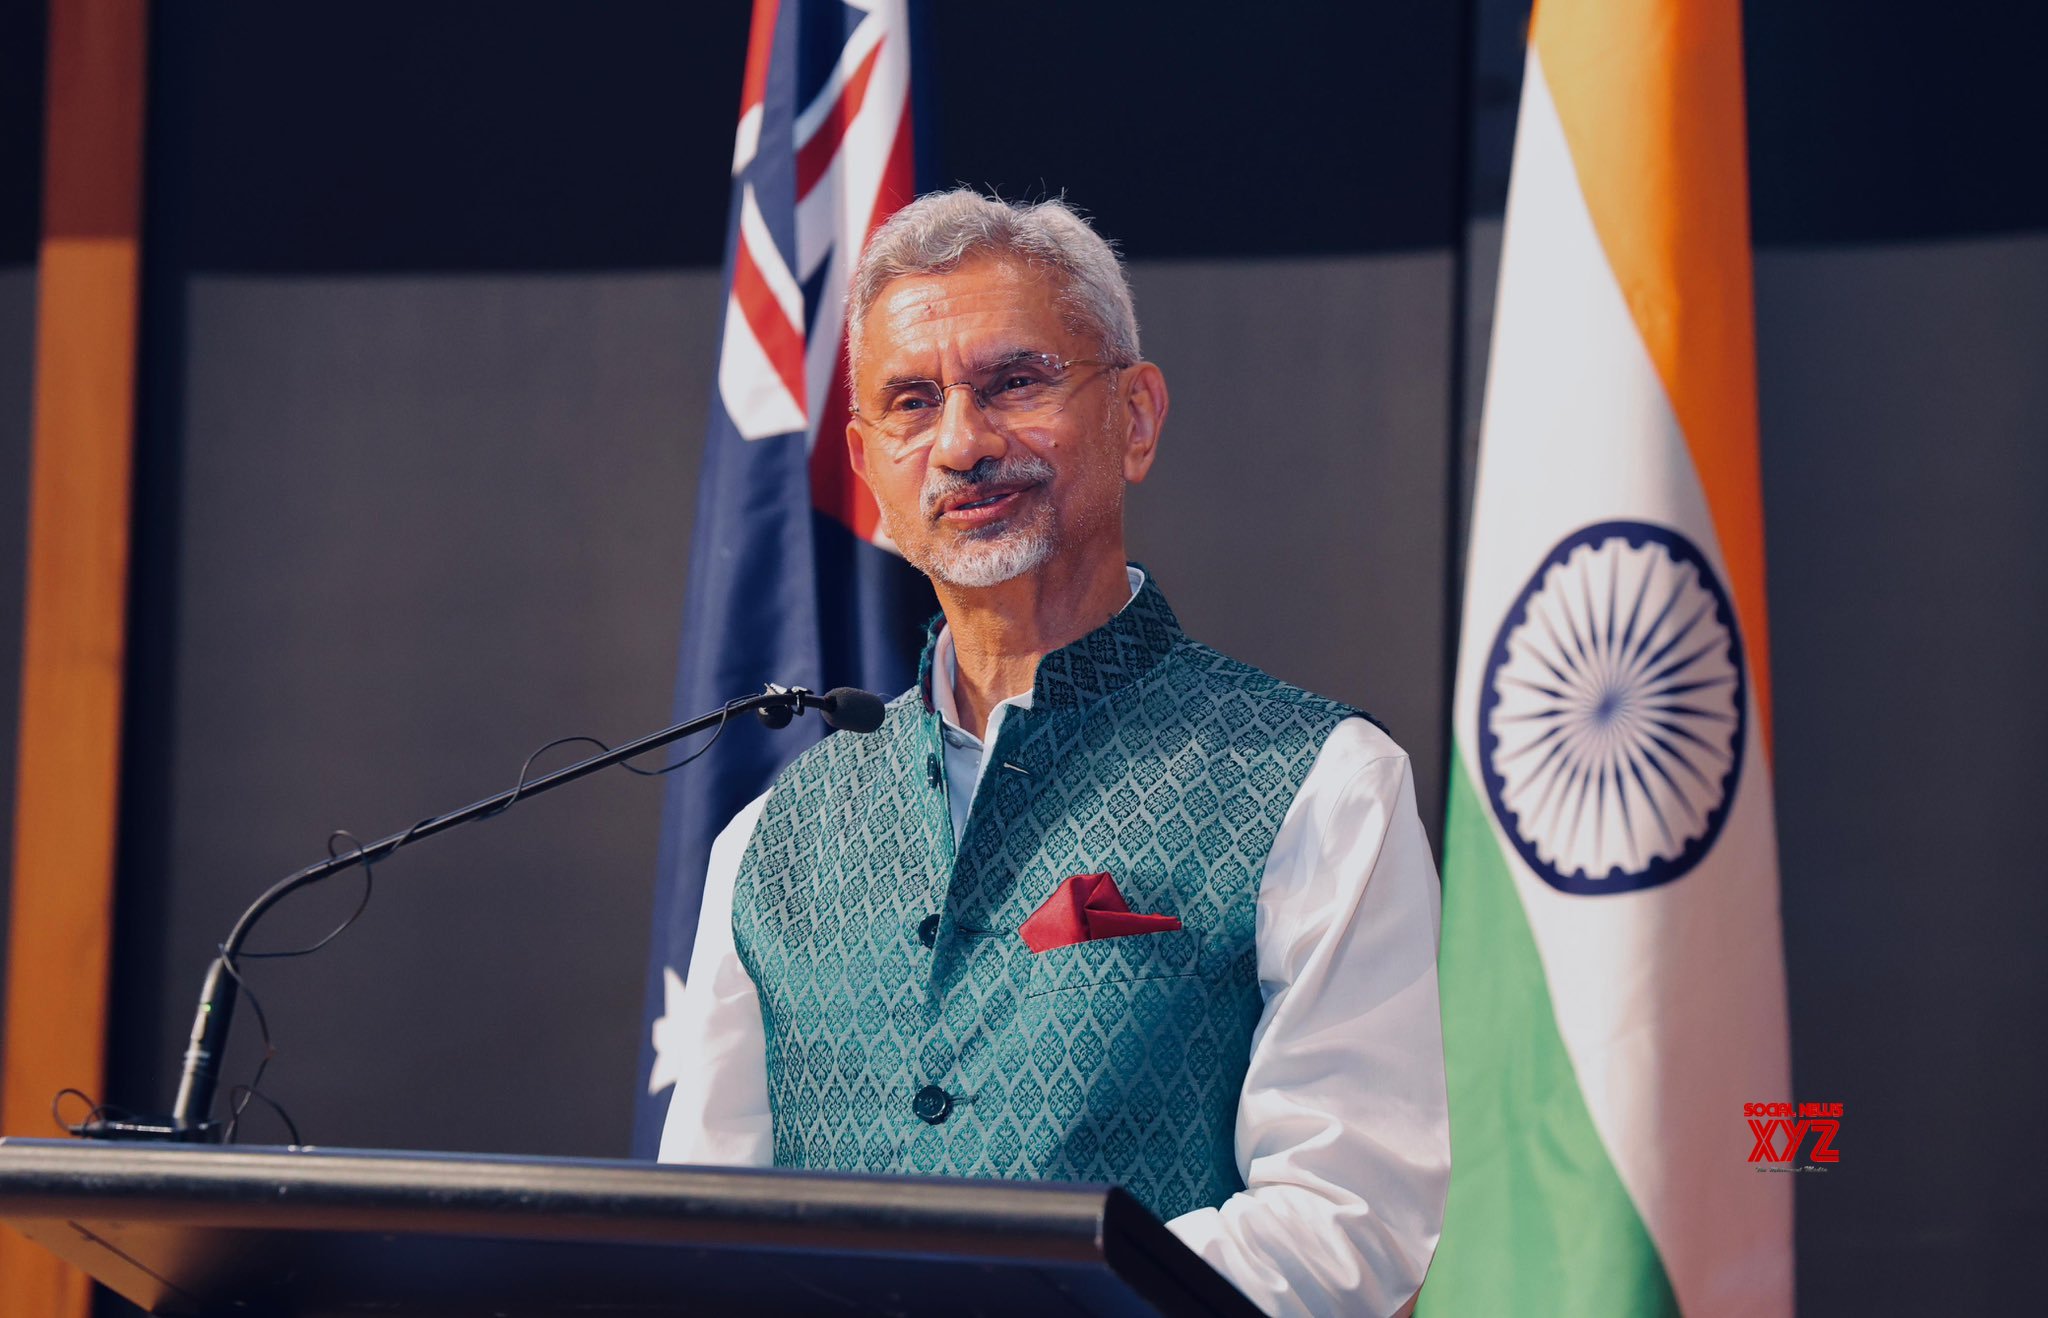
1004,556
1001,553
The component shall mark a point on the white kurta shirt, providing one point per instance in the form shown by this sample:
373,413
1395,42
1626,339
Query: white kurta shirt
1343,1130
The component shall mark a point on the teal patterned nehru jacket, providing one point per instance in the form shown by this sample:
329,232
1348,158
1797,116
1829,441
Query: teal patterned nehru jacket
908,1027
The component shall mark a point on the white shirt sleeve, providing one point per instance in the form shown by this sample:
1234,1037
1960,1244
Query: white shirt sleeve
1343,1127
718,1115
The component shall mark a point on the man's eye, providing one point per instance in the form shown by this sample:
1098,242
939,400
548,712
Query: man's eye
1017,382
909,403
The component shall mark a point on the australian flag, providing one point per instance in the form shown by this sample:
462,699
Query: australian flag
791,580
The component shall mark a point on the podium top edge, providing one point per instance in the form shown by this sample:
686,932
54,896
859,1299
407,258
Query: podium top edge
329,1188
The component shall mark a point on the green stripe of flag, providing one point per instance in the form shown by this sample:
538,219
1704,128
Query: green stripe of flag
1538,1221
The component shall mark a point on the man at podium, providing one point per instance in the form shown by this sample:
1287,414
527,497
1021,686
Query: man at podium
1096,902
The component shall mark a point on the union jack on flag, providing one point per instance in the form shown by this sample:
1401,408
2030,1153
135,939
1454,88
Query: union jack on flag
789,579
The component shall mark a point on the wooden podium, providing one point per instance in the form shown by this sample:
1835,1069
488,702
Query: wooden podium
276,1233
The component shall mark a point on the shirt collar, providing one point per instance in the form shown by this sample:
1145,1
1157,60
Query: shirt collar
1113,655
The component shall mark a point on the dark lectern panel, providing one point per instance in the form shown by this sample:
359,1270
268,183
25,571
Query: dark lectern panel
333,1274
203,1231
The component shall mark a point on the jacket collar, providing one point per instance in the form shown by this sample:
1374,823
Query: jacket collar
1115,655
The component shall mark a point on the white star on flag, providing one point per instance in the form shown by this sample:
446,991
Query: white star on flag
669,1043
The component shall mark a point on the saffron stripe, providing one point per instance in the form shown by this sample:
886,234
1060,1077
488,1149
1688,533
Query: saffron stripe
1650,97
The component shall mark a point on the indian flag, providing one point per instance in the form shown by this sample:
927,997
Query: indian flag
1613,976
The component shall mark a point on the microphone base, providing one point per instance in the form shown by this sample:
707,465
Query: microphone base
149,1130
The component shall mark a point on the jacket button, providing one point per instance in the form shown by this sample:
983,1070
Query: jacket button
931,1105
928,930
932,772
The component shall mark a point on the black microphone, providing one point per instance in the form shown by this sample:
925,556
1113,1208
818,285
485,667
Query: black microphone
843,707
851,709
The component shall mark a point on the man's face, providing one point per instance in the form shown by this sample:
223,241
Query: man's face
977,497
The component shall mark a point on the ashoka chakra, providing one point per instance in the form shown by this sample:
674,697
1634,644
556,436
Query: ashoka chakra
1611,717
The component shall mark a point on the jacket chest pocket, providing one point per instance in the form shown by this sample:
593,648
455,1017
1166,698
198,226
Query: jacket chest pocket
1170,954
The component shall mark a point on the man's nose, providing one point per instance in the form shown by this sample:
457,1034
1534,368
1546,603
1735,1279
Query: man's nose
964,435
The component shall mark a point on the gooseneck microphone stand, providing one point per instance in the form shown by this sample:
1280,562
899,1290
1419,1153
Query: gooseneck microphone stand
843,707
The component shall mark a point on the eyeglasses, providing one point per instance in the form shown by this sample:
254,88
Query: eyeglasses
1022,389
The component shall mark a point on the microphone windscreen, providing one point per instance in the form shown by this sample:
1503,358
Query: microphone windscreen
852,709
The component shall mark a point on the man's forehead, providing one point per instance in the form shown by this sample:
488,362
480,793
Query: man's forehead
996,275
966,307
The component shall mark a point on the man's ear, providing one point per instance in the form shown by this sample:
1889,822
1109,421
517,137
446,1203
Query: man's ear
1145,405
856,450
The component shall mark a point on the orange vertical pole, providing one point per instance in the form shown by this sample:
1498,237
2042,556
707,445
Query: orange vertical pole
74,617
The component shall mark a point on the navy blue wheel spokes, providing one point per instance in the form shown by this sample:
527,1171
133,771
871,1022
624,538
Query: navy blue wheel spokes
1613,711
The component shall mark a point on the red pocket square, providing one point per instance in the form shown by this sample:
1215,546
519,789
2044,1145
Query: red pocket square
1084,908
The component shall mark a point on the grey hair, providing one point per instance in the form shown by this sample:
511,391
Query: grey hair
941,230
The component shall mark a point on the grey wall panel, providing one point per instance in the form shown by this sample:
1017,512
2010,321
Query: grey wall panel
426,525
1906,481
17,397
1482,284
1296,514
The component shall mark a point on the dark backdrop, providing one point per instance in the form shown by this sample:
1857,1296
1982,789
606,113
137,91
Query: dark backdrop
430,313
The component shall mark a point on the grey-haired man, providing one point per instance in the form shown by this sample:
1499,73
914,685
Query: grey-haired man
1096,902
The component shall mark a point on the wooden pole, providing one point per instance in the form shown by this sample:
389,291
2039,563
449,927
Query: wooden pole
74,617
